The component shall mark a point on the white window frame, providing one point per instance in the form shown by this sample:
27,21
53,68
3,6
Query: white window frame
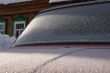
19,22
3,30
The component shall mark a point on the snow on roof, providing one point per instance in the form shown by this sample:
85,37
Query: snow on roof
54,1
5,2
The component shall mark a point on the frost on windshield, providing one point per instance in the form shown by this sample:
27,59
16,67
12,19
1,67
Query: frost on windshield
89,23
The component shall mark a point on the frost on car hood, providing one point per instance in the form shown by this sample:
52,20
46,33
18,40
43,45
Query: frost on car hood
55,60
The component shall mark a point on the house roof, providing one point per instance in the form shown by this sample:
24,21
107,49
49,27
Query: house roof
5,2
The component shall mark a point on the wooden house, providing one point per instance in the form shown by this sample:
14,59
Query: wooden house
14,17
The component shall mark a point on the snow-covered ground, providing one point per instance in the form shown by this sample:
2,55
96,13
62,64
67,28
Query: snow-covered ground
6,42
54,60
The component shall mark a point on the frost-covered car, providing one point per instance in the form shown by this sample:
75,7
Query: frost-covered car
74,38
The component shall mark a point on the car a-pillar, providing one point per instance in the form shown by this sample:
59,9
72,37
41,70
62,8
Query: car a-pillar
19,24
3,25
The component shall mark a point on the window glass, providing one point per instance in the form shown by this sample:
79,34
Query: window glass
2,28
20,26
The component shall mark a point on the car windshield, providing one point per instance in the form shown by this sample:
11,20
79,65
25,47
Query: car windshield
83,23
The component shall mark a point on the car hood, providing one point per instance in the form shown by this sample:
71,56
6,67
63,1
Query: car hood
55,60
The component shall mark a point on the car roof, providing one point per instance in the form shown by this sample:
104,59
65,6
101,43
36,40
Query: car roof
75,5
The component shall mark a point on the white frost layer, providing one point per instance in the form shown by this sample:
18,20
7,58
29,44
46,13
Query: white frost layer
63,60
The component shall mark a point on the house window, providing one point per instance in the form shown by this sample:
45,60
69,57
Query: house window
19,27
2,27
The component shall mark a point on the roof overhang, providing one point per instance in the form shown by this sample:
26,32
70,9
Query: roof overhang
56,1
